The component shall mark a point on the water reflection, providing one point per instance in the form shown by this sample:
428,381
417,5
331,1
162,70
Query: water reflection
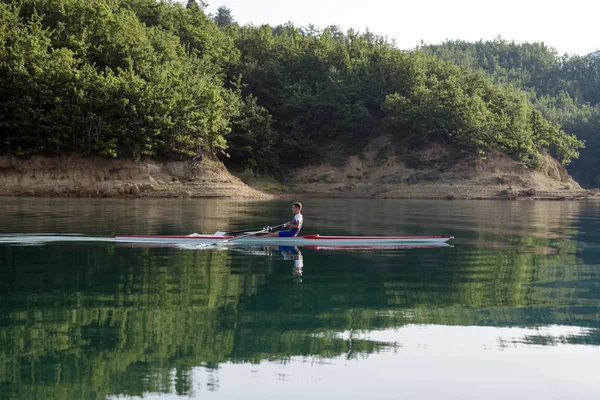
422,361
96,320
292,253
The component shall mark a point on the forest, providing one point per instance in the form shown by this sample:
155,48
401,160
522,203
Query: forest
167,80
564,88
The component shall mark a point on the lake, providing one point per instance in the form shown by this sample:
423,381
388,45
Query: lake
510,310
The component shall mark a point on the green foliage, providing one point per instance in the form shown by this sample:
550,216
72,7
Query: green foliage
584,121
325,87
521,65
251,143
223,18
132,78
466,111
565,89
135,78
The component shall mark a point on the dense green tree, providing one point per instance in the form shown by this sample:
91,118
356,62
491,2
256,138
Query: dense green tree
468,111
94,77
565,89
584,121
224,18
328,88
251,143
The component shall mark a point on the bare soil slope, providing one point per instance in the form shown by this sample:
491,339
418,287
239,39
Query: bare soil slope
378,172
97,177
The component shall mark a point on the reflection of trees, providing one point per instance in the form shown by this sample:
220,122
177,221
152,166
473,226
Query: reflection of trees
93,323
156,216
78,321
492,224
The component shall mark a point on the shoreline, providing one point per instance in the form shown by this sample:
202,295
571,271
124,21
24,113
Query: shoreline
96,177
445,190
130,190
74,176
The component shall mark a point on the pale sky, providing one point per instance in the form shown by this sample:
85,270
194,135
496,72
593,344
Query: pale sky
569,26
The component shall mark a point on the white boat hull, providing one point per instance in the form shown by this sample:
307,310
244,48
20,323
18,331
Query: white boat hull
308,240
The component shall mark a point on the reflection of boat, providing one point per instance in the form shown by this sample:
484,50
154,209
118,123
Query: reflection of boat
267,250
308,240
384,247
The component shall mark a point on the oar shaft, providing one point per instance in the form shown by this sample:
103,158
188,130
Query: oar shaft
255,229
244,231
245,235
248,233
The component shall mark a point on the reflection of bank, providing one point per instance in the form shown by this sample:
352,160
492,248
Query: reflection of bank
293,253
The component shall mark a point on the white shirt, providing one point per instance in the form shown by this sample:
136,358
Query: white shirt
298,220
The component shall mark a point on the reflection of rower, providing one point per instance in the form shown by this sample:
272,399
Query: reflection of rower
293,253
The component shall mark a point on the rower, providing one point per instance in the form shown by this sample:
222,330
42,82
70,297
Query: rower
294,225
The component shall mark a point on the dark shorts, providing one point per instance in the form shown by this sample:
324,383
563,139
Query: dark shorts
289,233
289,249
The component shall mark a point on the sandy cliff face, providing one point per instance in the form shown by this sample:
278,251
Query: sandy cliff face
379,172
97,177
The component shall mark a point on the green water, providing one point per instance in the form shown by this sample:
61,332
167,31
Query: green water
512,310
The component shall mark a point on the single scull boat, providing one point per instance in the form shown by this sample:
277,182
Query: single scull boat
307,240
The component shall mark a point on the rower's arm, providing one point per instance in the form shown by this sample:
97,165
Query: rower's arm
291,224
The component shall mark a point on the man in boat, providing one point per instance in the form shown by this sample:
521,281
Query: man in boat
293,227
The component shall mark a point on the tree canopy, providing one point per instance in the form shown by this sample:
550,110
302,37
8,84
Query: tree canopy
328,87
224,18
564,88
124,78
134,78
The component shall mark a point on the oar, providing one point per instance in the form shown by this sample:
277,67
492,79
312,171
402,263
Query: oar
244,231
215,244
223,233
243,236
266,229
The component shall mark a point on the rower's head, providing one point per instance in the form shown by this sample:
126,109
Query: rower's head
296,207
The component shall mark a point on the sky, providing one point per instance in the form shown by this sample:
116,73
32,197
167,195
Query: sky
569,26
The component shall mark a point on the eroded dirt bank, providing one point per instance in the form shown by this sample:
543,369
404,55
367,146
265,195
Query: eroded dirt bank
97,177
380,173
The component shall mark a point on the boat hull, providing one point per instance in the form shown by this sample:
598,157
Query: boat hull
308,240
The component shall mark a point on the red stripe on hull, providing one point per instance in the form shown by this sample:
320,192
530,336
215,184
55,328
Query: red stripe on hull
376,247
319,237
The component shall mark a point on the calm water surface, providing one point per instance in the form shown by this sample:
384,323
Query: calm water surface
511,310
